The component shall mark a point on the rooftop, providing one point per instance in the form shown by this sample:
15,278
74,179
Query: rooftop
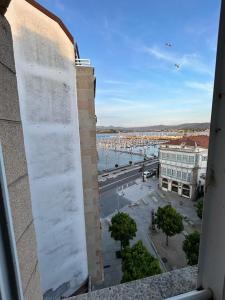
191,141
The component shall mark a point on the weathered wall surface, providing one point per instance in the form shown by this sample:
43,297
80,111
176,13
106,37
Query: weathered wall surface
44,57
156,287
87,120
11,139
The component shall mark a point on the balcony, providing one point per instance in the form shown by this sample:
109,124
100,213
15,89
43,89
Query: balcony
82,62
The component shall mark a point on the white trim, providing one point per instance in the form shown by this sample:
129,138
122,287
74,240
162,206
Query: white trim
194,295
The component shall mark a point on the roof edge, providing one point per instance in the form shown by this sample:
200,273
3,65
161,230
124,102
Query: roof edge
3,6
53,17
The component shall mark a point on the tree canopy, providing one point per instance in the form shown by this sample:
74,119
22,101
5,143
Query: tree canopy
138,263
191,247
199,207
123,228
169,220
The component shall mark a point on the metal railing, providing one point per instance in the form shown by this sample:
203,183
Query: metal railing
83,62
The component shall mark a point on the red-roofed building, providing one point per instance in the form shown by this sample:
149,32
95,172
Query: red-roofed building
183,164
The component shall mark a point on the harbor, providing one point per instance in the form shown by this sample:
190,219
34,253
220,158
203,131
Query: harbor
121,149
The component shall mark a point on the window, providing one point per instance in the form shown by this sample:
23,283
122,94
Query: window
184,176
196,159
163,171
164,155
173,173
165,183
185,158
174,186
179,174
186,190
189,177
191,159
179,157
173,157
169,172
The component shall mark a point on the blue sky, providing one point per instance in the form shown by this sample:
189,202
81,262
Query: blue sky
137,81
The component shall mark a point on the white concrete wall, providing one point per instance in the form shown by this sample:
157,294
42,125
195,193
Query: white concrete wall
44,58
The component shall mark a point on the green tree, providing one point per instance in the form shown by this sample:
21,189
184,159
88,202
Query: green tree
199,207
191,247
138,263
123,228
169,220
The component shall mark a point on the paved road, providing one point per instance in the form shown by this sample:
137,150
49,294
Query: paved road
110,201
123,178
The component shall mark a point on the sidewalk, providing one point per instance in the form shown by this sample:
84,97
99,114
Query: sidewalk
173,256
143,197
139,208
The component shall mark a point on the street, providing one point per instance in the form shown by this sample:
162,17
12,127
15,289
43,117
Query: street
127,174
110,199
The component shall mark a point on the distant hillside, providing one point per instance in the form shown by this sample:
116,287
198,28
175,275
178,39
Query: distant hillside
187,126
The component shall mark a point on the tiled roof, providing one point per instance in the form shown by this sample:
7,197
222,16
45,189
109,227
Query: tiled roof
199,141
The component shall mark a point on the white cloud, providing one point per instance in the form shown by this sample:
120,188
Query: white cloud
116,82
191,61
192,107
204,86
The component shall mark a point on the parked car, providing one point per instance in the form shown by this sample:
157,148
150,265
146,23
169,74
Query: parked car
147,174
150,173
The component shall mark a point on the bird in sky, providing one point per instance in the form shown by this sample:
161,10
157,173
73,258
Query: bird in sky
177,66
168,44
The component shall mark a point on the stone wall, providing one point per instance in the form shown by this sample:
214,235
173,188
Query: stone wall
12,141
87,122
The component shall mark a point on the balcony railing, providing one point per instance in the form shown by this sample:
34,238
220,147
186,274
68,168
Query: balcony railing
83,62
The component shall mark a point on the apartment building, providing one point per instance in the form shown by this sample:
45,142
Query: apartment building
55,106
183,164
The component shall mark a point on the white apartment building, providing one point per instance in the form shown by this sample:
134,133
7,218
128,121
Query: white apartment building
183,164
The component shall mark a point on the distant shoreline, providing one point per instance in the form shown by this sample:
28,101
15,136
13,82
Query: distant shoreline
187,127
159,130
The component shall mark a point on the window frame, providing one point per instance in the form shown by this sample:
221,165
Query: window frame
10,281
212,244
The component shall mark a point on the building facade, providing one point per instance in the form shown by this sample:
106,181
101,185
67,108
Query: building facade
183,164
19,267
45,58
86,82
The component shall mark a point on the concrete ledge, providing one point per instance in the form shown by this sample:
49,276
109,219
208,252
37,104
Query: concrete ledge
155,288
